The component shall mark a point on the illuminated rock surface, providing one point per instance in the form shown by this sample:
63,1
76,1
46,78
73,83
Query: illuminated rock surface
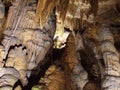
59,44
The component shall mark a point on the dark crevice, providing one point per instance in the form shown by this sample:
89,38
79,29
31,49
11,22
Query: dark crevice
17,83
117,45
39,72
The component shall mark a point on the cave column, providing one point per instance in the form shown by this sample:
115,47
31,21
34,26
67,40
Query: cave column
24,45
111,59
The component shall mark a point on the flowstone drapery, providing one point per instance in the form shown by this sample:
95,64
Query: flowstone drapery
111,59
23,45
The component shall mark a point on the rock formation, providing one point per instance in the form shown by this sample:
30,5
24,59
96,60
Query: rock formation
59,44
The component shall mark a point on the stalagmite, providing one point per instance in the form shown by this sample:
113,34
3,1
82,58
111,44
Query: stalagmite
54,79
75,75
68,62
111,59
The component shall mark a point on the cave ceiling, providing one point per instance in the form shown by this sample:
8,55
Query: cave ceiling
69,11
77,14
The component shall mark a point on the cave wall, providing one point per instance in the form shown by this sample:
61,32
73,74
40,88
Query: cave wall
66,42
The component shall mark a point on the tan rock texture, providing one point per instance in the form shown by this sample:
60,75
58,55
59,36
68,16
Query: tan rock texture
85,34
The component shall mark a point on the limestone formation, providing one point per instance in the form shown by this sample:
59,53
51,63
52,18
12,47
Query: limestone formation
111,59
59,44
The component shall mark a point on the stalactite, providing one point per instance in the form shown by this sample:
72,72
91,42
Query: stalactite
62,7
61,10
44,9
111,59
